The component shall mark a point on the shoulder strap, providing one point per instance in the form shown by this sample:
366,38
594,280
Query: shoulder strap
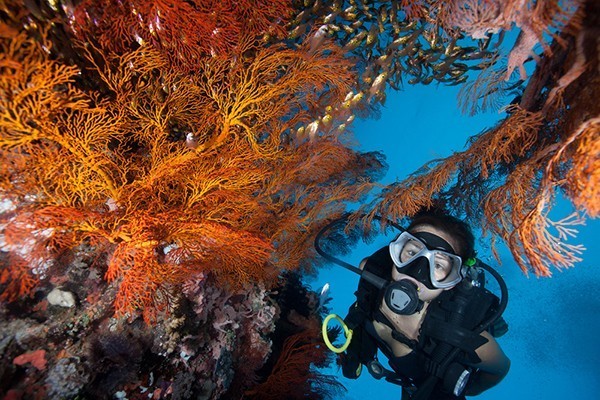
380,263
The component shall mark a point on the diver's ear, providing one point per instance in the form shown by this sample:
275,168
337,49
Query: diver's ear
363,263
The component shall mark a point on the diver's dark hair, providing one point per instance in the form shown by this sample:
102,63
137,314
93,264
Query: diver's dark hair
441,220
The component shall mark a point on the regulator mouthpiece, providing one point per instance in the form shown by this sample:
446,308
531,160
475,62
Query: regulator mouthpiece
402,297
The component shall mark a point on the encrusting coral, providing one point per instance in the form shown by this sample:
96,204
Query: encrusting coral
217,343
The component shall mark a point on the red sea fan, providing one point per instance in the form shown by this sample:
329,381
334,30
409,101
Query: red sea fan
293,376
185,31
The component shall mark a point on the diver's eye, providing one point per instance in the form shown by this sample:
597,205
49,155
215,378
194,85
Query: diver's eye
441,267
410,249
442,262
442,270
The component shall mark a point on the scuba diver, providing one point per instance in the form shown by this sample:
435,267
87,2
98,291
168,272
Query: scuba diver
421,301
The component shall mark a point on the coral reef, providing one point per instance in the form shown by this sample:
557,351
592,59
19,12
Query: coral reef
217,343
155,187
168,174
167,165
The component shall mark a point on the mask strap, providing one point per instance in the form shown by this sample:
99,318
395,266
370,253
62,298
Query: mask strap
434,242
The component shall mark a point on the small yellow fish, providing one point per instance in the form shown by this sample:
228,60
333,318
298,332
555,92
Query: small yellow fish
456,73
355,42
316,39
348,29
378,84
336,6
330,17
312,128
298,19
382,14
317,6
427,80
298,31
357,24
357,98
372,35
402,40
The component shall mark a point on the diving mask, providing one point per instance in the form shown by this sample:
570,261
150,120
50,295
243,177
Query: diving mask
427,251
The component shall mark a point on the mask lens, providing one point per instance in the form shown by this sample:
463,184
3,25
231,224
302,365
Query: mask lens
444,267
410,249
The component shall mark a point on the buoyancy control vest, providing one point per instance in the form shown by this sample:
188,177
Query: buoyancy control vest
448,330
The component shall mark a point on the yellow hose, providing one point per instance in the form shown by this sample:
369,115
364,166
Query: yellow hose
347,333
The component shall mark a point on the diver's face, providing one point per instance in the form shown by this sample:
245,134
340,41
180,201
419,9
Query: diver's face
425,293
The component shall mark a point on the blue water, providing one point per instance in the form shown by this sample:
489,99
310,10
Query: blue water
553,341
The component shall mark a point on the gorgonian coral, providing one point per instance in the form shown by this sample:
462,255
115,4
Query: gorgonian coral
166,173
186,32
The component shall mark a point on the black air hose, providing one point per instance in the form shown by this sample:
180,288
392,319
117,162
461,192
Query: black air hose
368,276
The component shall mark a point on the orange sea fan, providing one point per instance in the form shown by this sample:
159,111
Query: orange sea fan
143,281
176,27
583,179
406,198
34,88
507,142
170,174
540,247
258,97
149,262
255,97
